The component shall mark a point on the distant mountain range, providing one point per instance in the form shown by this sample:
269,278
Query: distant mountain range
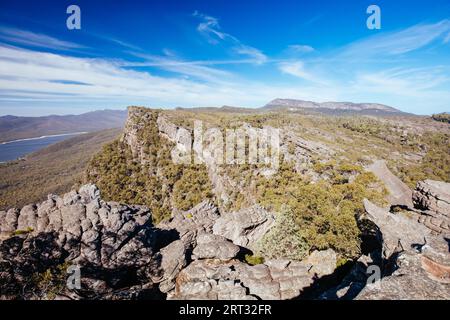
14,127
293,105
331,107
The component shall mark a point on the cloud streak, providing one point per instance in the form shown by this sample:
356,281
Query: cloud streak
55,78
27,38
400,42
300,48
32,76
209,27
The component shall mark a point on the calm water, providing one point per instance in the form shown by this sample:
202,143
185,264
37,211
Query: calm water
16,149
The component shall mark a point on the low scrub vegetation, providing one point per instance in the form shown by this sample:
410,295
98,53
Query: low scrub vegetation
151,179
284,239
434,165
443,117
325,213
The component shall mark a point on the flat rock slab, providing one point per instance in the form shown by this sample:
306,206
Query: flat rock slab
399,193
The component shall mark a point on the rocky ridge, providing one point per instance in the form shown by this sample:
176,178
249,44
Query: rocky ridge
122,255
197,254
414,261
202,252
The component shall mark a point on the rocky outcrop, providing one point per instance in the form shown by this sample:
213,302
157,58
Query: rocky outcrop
166,128
122,255
92,230
398,232
210,246
322,262
136,120
244,227
215,242
199,219
417,277
433,195
213,279
432,198
399,193
79,229
172,262
415,264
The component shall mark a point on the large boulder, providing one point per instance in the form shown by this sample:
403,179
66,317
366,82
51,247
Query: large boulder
244,227
322,262
417,277
416,262
210,246
432,198
199,219
181,233
209,280
398,231
433,195
172,262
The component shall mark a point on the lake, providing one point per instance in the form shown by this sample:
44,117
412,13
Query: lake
16,149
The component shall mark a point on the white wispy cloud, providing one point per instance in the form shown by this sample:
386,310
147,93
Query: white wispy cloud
254,54
169,62
400,42
411,82
123,43
447,38
300,48
48,78
297,69
27,75
210,28
23,37
313,19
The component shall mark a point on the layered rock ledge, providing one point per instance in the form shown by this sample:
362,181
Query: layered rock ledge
123,255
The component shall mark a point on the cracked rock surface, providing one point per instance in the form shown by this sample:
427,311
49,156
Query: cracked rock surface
198,254
122,255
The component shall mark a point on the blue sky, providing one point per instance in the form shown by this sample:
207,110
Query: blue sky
213,53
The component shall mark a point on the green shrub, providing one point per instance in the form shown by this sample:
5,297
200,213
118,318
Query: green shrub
253,259
192,187
325,213
19,232
434,165
51,282
340,262
283,240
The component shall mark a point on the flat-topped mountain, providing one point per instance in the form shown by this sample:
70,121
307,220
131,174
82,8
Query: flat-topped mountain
293,104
